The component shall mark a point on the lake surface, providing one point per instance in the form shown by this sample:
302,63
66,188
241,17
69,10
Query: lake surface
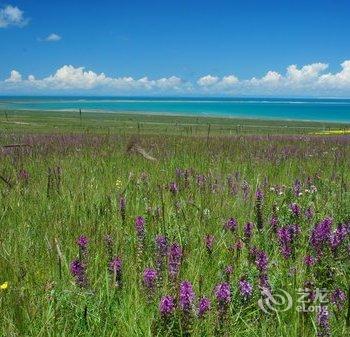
332,110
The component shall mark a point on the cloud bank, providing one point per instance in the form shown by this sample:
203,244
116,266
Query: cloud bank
308,80
12,16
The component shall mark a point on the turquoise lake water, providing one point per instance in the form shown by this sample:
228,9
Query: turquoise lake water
333,110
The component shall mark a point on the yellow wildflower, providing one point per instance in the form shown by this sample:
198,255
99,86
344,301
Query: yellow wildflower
4,285
118,184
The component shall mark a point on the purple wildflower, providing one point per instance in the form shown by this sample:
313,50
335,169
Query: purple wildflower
228,272
231,224
140,227
174,260
187,296
252,253
223,294
338,236
161,244
203,306
286,236
209,242
149,278
338,297
223,298
245,289
320,234
309,260
173,188
76,267
264,281
239,244
297,188
274,222
259,196
115,267
323,322
261,261
295,208
309,213
248,230
82,241
78,270
245,190
166,306
161,251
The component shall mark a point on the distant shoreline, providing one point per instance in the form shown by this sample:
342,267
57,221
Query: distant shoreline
269,109
165,114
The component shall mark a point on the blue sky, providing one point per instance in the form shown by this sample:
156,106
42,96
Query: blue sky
176,47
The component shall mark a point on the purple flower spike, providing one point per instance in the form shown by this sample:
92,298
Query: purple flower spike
76,267
259,209
203,306
140,227
248,230
338,298
321,234
323,322
261,261
228,272
295,208
264,281
174,260
338,236
166,306
231,224
82,241
309,260
245,289
259,194
173,188
115,265
309,213
161,244
274,222
149,278
286,236
78,270
187,296
223,293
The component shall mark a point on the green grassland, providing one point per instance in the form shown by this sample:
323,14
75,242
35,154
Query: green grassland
126,123
43,210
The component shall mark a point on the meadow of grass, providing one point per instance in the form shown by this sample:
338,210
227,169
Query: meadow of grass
97,239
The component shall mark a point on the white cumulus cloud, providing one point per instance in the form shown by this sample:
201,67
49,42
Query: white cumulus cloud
12,16
207,80
307,80
53,38
15,76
